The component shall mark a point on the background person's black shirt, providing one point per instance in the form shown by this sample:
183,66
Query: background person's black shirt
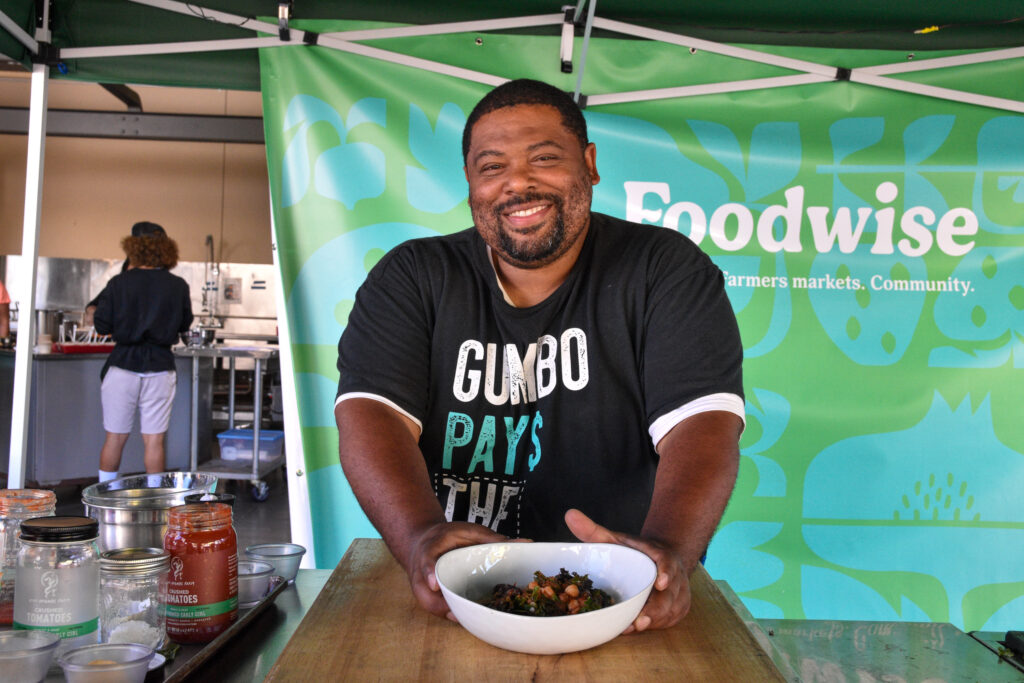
145,310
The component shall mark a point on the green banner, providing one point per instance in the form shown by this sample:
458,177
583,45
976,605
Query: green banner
873,246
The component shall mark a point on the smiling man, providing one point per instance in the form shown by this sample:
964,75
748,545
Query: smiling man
551,373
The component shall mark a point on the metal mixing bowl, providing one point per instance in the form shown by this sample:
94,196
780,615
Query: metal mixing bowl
132,511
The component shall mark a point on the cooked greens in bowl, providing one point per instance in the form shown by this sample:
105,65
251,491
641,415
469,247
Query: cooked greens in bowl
467,577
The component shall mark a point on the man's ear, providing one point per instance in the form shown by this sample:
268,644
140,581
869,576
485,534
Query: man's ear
590,158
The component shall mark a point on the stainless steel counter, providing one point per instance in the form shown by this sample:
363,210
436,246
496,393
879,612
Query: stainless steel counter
257,468
875,651
66,418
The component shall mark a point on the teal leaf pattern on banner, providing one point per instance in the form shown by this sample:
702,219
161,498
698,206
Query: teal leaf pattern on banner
998,196
345,172
871,326
995,313
733,555
855,599
333,273
948,489
771,410
770,166
440,184
630,149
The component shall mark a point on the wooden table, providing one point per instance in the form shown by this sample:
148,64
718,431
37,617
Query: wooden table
366,625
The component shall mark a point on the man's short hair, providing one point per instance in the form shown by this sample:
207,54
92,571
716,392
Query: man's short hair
527,91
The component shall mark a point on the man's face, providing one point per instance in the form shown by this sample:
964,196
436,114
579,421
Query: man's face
529,184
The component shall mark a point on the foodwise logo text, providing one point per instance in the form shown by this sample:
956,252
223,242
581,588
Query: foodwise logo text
732,227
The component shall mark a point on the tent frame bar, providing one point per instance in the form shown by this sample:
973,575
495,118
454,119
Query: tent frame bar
705,89
12,27
942,62
171,48
812,72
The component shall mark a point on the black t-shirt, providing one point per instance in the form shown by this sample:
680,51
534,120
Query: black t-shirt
145,310
526,412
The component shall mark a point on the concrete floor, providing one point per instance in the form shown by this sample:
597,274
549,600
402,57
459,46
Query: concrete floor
254,522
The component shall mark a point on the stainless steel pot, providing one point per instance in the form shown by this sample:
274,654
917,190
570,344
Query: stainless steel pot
48,322
199,336
132,511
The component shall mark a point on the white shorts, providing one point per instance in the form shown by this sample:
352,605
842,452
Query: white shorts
152,393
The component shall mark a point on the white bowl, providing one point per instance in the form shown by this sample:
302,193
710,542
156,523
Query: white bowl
253,581
284,556
26,655
468,575
107,663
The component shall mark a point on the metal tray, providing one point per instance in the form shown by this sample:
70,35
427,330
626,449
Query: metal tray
192,657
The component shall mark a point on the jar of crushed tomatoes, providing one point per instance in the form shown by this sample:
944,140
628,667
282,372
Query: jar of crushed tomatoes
202,585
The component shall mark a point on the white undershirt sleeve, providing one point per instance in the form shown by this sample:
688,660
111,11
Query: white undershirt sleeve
730,403
375,397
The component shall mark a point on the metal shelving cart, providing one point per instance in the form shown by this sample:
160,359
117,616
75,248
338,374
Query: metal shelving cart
228,469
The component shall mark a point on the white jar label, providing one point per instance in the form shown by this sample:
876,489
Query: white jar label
62,601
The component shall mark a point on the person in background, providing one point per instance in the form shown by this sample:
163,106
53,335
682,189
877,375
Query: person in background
5,317
145,309
551,372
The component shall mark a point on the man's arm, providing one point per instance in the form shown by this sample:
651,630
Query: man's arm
380,455
5,320
697,469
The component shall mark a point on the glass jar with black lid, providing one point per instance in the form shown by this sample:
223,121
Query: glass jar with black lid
58,580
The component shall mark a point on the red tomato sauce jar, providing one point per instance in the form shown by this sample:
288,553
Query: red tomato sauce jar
202,584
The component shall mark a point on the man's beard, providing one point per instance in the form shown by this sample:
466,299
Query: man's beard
532,254
549,246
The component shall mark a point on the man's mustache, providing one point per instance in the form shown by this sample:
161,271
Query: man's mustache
527,198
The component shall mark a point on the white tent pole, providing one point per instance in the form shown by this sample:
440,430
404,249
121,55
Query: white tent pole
25,39
452,27
240,43
174,48
341,41
943,62
937,92
199,12
295,466
26,287
829,72
704,89
415,62
717,48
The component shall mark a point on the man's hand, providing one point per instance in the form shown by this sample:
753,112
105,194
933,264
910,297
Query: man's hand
670,600
429,545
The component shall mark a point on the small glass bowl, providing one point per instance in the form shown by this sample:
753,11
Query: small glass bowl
284,556
26,655
253,581
106,663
